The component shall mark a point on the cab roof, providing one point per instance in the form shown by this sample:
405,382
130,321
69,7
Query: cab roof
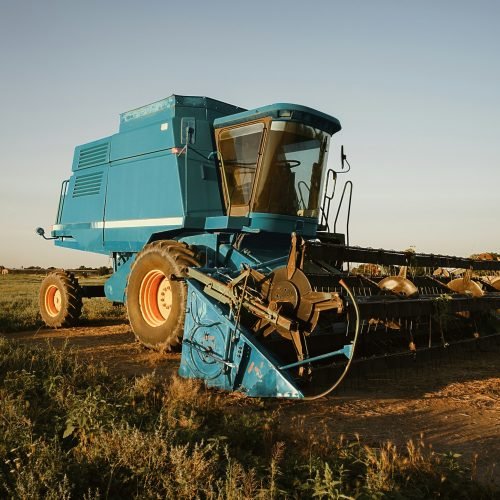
283,111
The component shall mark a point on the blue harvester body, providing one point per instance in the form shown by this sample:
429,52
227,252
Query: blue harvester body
211,214
160,178
150,181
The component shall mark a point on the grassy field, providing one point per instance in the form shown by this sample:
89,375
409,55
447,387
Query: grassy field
19,303
69,429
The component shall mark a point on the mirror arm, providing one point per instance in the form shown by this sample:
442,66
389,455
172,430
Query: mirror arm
41,232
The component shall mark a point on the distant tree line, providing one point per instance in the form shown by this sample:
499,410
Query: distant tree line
99,271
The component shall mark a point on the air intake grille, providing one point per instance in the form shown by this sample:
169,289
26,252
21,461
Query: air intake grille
86,185
93,155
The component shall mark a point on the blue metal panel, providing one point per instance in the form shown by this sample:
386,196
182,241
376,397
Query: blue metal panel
83,210
265,252
147,114
154,138
202,195
91,154
133,239
85,197
206,245
226,356
88,240
166,108
272,223
275,223
115,286
144,197
144,188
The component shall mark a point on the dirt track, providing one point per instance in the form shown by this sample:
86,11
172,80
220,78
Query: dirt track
452,398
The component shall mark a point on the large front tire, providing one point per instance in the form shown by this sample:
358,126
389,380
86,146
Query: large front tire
156,298
60,299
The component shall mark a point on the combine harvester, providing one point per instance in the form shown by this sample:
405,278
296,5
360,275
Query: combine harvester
218,221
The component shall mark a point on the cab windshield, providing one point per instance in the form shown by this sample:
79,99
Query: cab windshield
289,181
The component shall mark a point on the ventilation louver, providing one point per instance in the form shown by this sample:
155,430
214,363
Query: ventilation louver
86,185
93,155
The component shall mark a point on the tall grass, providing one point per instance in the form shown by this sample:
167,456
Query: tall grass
19,302
70,430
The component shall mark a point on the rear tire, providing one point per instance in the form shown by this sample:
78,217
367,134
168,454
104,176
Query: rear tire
60,299
156,301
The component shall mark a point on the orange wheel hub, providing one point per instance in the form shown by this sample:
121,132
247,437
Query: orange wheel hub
53,300
155,298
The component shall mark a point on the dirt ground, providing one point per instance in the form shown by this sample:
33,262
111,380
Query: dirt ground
451,397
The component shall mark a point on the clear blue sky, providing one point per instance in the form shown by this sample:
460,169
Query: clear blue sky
416,86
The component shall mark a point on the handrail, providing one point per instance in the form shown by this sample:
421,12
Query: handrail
300,192
62,197
331,176
348,183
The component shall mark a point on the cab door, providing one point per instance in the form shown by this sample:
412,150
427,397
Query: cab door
240,151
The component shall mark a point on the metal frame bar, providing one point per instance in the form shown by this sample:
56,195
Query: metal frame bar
346,351
332,252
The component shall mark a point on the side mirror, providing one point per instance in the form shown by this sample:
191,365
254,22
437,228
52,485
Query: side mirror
41,232
188,130
343,156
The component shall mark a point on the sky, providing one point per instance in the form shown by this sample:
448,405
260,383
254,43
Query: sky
416,86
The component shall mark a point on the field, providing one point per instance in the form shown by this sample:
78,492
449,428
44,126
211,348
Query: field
86,412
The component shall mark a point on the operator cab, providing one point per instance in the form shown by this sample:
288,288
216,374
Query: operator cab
272,161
